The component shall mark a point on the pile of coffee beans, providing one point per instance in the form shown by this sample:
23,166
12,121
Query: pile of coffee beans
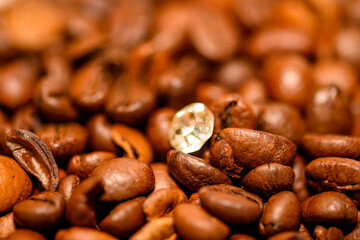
88,90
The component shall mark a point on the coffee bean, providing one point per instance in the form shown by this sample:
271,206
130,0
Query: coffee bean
231,110
64,140
26,118
125,218
235,149
330,145
41,211
329,207
268,179
282,119
193,172
83,164
67,186
124,178
281,213
80,207
162,177
207,92
299,186
156,229
132,143
34,156
78,233
192,222
340,174
7,225
228,203
25,234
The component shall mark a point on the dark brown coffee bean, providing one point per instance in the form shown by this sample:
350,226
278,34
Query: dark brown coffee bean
67,186
235,149
207,92
231,204
34,156
231,110
7,225
83,164
80,233
193,172
129,102
64,140
26,118
157,131
156,229
132,143
340,174
213,34
291,235
90,85
15,184
328,111
270,40
281,213
161,203
25,234
192,222
331,145
299,186
41,211
336,73
124,178
100,138
268,179
125,218
17,81
234,73
288,78
80,207
282,119
329,207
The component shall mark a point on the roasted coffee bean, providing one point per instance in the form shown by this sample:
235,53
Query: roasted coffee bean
231,204
15,184
26,118
268,179
340,174
64,140
331,145
79,233
83,164
282,119
193,172
270,40
67,186
232,111
328,111
329,207
41,211
157,131
288,78
7,225
333,233
281,213
161,203
124,178
34,156
129,102
90,85
99,131
80,208
299,186
236,148
125,218
192,222
156,229
207,92
132,143
25,234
